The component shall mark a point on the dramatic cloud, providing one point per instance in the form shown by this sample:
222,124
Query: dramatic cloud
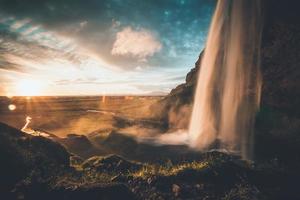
137,43
107,46
24,39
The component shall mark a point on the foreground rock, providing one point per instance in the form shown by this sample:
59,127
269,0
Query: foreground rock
214,176
37,168
34,167
72,192
22,155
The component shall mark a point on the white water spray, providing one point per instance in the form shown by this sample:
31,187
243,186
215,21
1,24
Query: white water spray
229,82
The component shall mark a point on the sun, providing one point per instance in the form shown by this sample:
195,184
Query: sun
28,87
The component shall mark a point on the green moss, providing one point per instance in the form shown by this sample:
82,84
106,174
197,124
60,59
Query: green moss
167,170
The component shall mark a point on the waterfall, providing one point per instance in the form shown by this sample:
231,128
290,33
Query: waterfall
229,81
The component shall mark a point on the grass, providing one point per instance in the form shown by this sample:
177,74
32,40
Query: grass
168,169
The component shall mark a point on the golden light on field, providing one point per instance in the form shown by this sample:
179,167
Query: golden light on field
28,88
12,107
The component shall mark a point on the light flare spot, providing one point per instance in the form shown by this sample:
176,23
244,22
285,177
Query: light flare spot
12,107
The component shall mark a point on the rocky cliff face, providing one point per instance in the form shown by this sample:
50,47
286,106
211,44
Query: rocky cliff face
175,109
280,67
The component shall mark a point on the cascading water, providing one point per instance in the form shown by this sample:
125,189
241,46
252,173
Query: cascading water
229,81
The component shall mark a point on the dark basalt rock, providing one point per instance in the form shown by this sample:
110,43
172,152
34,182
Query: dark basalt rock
120,144
94,191
21,154
34,167
179,97
80,145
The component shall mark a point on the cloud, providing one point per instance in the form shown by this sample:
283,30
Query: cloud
32,47
73,40
19,24
140,44
10,67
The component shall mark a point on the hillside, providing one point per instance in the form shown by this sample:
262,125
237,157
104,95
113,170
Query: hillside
34,167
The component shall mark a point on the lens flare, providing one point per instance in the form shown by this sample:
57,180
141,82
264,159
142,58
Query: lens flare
12,107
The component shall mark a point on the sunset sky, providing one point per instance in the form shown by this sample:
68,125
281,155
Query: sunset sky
95,47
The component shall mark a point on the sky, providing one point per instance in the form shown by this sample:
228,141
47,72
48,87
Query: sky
96,47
